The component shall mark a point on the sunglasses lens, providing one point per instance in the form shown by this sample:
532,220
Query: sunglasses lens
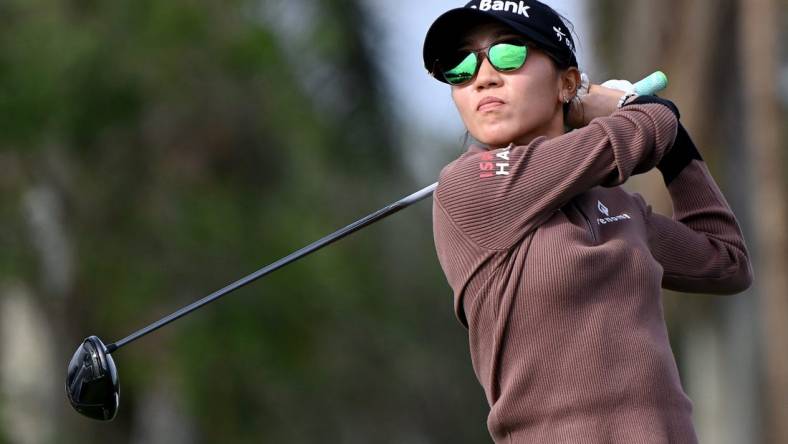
507,56
504,56
462,71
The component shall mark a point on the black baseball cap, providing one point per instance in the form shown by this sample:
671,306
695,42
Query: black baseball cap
529,18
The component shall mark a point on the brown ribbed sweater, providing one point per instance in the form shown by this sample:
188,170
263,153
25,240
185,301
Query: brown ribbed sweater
556,273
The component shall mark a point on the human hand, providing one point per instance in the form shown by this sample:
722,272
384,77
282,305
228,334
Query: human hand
596,101
622,85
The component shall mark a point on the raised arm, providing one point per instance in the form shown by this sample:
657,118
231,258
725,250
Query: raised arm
496,197
701,248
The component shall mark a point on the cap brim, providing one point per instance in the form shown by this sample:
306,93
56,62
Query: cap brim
448,29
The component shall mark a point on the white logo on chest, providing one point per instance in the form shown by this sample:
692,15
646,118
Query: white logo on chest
606,212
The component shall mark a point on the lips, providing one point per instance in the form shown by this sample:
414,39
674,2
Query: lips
488,103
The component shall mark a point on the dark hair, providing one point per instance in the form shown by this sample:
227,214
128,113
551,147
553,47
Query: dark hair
561,64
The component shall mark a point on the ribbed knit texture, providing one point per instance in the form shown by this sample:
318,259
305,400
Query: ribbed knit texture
556,272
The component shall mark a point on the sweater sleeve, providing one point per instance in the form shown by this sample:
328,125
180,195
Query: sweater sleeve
701,248
496,197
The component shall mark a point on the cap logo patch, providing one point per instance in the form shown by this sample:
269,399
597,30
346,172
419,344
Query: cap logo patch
514,7
559,34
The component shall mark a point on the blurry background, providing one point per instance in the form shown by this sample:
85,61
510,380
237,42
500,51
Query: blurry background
151,152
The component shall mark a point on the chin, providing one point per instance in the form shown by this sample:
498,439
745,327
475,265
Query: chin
497,140
499,136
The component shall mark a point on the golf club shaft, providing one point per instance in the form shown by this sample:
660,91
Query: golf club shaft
339,234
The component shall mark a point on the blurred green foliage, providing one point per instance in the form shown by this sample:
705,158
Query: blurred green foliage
189,150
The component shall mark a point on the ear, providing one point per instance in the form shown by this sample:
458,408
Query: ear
569,83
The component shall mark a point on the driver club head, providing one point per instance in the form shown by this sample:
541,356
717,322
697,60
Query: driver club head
92,381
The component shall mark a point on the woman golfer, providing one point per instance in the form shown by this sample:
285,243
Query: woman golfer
557,270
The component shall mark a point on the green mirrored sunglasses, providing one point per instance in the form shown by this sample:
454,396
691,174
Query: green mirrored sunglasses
462,66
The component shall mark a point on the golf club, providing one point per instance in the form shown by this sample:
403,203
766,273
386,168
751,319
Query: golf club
92,384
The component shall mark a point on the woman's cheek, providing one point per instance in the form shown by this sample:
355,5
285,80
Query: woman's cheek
463,100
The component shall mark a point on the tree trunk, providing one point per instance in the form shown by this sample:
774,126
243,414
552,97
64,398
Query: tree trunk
27,369
762,117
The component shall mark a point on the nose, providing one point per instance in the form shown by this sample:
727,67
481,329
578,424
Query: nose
487,77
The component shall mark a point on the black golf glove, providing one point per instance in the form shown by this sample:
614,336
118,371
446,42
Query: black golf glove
683,150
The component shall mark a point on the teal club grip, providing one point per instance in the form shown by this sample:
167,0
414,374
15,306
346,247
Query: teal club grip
652,84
